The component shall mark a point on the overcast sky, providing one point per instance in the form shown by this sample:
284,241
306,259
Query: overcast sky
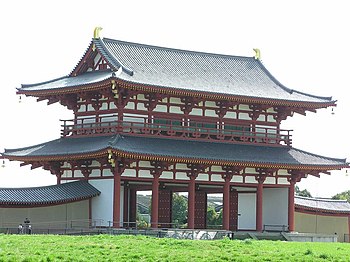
304,44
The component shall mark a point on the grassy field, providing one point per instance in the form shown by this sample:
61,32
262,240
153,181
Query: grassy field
140,248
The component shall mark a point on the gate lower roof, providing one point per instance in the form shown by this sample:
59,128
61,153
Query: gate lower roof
322,204
174,150
47,195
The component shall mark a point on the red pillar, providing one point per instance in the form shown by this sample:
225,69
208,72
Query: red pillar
132,206
155,201
58,179
291,206
116,200
126,212
226,204
259,209
191,202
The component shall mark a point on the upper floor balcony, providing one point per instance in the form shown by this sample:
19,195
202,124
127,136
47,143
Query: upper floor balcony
179,129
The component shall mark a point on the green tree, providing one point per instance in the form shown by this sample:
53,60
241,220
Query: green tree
213,218
141,221
343,195
179,212
304,193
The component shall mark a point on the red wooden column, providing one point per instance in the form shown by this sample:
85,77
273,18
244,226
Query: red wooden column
192,174
126,212
56,170
58,179
291,206
295,177
132,206
259,202
226,203
155,201
116,198
156,171
230,171
191,201
118,166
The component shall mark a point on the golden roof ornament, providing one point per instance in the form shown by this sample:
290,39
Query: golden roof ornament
257,53
97,31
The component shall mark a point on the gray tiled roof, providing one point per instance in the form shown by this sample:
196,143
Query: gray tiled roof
186,71
327,205
63,82
205,72
176,148
56,194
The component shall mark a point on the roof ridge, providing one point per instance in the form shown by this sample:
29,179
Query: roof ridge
322,199
178,49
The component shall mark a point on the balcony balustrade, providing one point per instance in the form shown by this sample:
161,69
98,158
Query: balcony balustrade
180,129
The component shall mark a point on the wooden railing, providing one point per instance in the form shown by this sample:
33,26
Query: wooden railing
190,130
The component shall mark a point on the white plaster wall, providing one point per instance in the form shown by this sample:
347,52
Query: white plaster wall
216,178
283,181
98,56
129,173
104,106
130,105
102,205
275,206
210,112
57,216
196,112
161,108
175,110
247,211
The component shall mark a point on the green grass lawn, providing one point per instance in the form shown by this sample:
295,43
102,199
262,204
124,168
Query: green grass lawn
140,248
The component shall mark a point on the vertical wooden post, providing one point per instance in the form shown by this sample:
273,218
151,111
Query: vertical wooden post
259,207
291,206
261,177
155,201
126,205
58,179
132,206
226,204
116,198
191,202
259,198
295,177
228,207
